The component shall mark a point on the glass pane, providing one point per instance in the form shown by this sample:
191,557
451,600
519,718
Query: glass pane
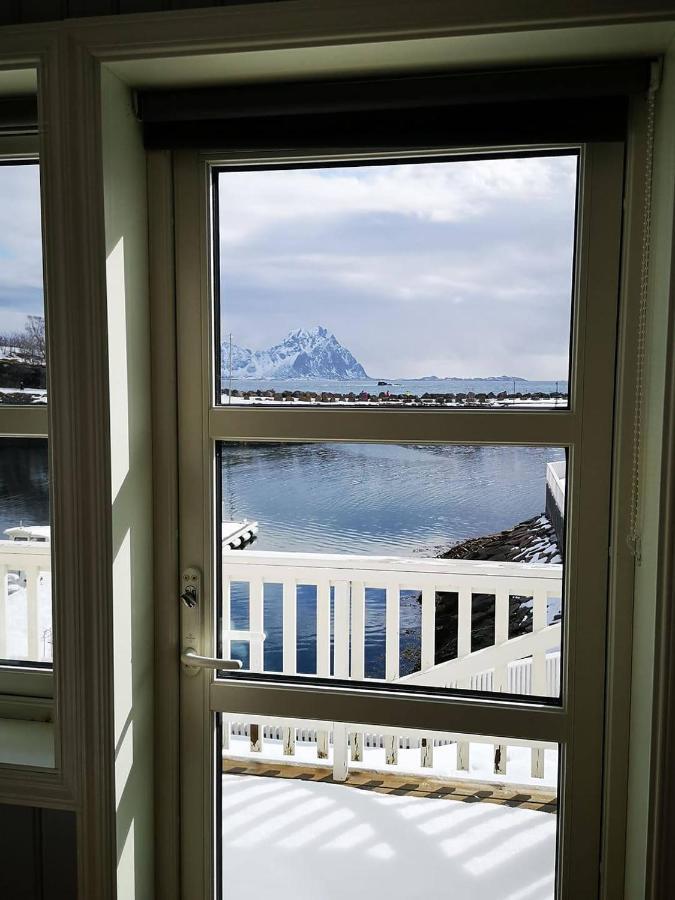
25,552
426,284
339,809
23,359
421,565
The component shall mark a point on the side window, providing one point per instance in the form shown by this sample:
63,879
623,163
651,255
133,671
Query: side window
26,636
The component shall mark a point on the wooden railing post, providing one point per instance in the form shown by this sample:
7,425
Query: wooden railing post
428,636
323,628
500,674
358,642
539,620
322,651
341,619
256,615
464,616
340,755
4,625
32,581
392,632
290,627
288,735
427,752
226,616
391,749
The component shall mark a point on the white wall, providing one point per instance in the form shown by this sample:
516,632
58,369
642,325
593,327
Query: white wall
124,176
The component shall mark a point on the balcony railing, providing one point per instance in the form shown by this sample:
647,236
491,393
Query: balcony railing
526,664
25,614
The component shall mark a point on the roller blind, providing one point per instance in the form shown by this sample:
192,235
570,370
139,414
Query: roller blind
18,115
564,103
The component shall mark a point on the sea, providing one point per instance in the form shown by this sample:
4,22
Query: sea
374,499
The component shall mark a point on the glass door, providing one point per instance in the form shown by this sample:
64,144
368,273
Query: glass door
395,402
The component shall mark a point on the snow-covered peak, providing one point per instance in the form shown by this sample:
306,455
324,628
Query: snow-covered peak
313,353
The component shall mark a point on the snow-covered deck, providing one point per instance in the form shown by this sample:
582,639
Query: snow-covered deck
308,840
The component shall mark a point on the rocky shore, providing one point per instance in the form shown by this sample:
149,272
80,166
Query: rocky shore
385,398
532,541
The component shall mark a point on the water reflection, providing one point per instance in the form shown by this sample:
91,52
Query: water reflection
24,483
378,498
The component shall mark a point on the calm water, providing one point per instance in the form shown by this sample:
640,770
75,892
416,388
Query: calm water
24,483
371,499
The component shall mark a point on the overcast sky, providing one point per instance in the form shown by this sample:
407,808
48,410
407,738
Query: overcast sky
20,246
451,269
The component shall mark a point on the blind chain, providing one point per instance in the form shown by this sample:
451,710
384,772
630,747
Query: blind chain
634,537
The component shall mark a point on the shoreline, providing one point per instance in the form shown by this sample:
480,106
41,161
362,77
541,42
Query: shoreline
531,541
366,399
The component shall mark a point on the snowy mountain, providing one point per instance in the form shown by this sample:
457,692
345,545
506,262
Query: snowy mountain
301,354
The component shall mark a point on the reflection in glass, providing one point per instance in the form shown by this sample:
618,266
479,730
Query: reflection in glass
428,284
424,565
25,552
339,808
23,356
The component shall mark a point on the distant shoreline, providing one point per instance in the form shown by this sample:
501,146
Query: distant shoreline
503,399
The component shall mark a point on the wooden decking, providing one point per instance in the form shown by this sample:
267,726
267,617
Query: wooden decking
538,799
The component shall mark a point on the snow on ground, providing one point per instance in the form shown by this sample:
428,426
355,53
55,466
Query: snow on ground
17,617
481,761
315,841
36,395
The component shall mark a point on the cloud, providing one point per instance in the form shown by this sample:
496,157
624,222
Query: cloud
459,268
21,287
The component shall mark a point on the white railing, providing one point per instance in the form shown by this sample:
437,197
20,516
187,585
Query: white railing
556,479
528,664
25,614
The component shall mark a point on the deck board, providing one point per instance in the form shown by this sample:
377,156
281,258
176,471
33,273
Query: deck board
539,799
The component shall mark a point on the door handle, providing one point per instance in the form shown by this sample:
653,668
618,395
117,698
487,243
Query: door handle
191,627
192,660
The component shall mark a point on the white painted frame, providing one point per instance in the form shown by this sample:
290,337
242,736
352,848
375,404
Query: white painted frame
200,424
77,422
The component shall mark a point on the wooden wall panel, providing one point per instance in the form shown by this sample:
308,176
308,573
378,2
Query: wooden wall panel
37,854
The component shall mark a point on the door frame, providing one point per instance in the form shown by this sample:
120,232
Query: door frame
188,180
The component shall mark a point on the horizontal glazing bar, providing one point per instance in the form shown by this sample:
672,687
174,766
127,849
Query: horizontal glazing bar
394,426
392,709
23,421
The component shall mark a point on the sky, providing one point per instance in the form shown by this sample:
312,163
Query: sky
21,286
453,269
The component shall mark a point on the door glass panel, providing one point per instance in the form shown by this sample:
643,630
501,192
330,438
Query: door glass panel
425,566
397,813
25,553
438,284
23,358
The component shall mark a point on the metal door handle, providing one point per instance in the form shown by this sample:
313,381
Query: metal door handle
190,658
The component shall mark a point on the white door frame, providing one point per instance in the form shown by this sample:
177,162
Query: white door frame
586,429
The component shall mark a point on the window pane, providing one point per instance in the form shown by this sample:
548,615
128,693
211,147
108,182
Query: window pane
22,323
441,284
398,814
25,552
421,565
